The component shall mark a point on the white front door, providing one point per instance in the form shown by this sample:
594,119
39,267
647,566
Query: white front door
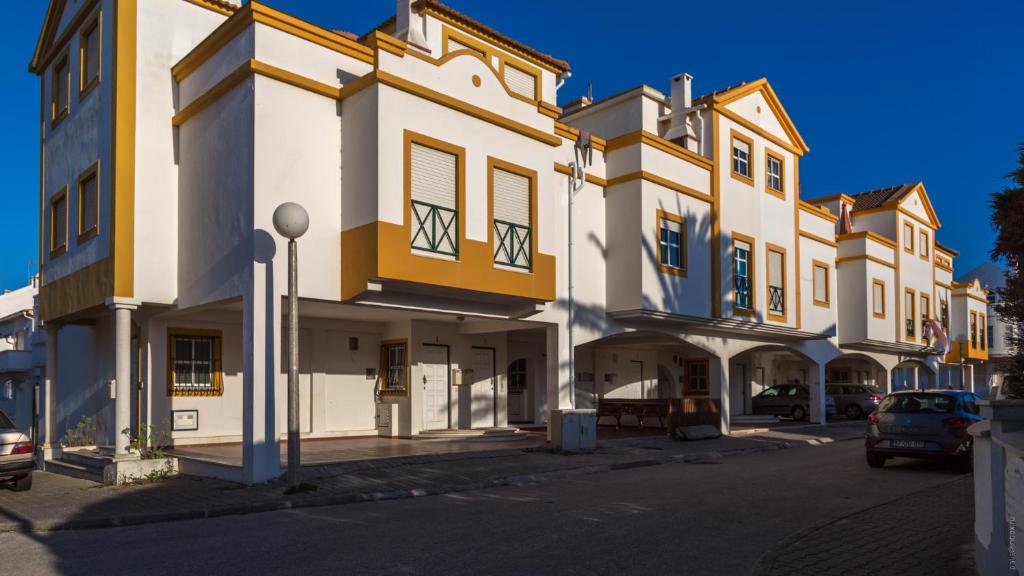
483,388
434,362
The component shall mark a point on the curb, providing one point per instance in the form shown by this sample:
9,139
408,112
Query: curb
767,560
135,519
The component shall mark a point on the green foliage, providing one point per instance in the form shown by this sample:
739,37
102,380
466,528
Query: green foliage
150,441
83,434
1008,222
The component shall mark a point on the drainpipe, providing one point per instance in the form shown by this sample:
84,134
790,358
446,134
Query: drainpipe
561,80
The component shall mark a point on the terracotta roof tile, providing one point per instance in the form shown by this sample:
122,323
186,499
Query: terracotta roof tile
878,197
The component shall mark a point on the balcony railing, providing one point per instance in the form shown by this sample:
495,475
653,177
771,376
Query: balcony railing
436,228
776,300
512,244
743,293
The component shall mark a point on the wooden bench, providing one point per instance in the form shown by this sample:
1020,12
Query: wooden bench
641,409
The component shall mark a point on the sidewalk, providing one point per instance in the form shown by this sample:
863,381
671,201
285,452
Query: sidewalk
58,502
880,540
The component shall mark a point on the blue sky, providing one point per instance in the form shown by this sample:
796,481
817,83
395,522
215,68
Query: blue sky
883,92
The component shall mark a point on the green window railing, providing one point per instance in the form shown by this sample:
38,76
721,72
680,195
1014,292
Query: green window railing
435,228
513,244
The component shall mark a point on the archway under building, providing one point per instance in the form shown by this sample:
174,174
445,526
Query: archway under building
913,374
757,369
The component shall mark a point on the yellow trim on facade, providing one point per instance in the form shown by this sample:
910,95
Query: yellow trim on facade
720,100
644,137
751,273
254,12
216,361
867,234
219,7
748,125
878,282
55,248
912,315
770,155
798,308
86,287
768,249
496,163
660,181
908,248
827,302
504,59
841,197
57,115
47,49
681,270
85,233
382,250
122,181
95,24
868,257
592,179
817,238
716,226
819,211
735,135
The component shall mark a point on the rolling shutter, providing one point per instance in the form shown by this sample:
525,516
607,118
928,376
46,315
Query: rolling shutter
454,46
520,82
433,176
511,197
820,284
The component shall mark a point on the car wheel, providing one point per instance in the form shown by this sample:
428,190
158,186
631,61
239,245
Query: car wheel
24,483
876,460
853,412
799,413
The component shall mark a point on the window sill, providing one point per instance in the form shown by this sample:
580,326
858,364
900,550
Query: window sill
179,393
56,120
59,251
825,304
672,270
88,235
745,179
88,88
777,193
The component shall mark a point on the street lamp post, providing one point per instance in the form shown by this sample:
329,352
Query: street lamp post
292,221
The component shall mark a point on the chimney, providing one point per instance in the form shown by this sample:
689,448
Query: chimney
409,25
681,128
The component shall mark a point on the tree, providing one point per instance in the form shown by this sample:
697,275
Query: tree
1008,222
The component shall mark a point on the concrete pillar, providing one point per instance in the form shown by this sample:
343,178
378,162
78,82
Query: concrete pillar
916,382
122,372
718,368
557,349
47,394
970,378
818,413
261,335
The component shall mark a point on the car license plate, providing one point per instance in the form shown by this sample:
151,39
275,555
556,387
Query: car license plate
906,444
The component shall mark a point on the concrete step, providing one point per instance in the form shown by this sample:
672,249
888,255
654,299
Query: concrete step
88,458
745,419
475,434
75,470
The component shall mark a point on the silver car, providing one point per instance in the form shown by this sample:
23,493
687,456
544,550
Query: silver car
16,462
793,400
854,400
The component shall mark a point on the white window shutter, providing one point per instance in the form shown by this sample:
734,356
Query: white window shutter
454,46
820,284
433,176
511,197
775,268
520,82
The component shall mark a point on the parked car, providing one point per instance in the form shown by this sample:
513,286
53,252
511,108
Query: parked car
854,400
792,400
16,461
923,424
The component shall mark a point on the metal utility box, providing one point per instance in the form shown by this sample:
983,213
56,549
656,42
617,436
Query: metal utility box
572,430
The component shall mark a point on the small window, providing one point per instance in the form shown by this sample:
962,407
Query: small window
983,332
89,56
394,365
909,315
194,363
743,294
821,288
519,81
776,283
88,204
974,329
696,376
926,313
517,375
774,175
513,234
908,237
434,190
742,155
59,223
671,242
944,314
878,298
923,244
60,90
454,45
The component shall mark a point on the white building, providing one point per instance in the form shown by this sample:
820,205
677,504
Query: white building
20,354
435,165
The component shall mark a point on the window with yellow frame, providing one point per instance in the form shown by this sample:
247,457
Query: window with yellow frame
194,362
671,243
59,223
89,203
89,56
908,237
742,158
775,174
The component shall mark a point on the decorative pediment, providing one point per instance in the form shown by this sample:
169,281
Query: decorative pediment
746,99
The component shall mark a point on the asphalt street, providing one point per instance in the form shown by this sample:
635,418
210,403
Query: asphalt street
718,517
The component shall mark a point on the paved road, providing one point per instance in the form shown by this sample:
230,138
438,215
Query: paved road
694,519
